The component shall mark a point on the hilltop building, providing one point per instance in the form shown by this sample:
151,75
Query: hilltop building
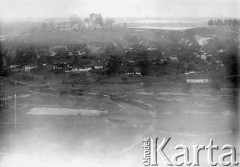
95,20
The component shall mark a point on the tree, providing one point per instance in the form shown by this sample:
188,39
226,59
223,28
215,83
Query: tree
113,64
1,61
99,20
210,22
109,22
143,63
44,27
74,19
51,24
144,66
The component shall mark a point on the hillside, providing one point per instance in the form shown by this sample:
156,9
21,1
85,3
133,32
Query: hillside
206,52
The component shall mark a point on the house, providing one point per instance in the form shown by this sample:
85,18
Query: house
196,78
15,68
203,57
173,59
63,27
76,69
98,67
70,54
29,68
151,48
192,81
163,61
60,66
130,71
81,53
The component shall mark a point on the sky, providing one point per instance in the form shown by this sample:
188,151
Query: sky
119,8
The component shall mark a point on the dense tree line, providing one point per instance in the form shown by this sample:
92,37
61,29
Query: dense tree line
232,24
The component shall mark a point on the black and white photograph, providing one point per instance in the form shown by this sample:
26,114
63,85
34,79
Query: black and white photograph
119,83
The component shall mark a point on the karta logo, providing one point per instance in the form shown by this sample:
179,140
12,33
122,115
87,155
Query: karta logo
153,151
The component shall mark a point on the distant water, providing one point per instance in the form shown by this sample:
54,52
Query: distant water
163,28
4,37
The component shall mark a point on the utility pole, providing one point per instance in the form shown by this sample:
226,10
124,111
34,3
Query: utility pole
15,107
